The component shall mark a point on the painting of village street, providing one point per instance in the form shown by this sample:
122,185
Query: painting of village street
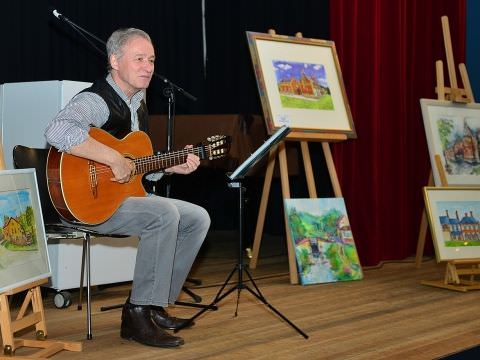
302,85
460,142
324,247
18,231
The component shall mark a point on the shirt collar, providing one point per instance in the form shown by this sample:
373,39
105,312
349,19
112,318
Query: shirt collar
134,101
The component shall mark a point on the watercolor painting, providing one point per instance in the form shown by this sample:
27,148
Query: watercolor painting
460,223
23,248
324,247
460,144
302,85
454,217
18,231
453,133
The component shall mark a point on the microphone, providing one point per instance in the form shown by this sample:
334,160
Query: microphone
88,36
57,14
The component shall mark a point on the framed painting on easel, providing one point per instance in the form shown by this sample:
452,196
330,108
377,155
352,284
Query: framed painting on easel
453,134
23,246
454,216
300,84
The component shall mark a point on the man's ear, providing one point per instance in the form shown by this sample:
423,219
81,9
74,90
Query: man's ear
113,62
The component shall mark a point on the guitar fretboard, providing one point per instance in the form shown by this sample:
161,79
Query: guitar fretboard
164,161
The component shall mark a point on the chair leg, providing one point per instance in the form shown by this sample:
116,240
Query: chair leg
89,295
82,272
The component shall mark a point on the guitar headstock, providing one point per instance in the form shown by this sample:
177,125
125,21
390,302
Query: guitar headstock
217,146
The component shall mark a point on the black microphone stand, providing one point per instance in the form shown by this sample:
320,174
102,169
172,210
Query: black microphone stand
169,92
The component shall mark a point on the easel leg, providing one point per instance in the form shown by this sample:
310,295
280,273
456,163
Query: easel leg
263,209
421,240
6,326
37,306
292,262
307,161
466,82
423,232
331,169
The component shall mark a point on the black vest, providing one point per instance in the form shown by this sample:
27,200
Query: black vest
119,121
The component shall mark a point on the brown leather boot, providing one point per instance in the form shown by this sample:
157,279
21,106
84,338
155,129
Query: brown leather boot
165,321
137,324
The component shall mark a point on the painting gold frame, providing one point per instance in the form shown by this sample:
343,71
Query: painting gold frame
454,218
300,84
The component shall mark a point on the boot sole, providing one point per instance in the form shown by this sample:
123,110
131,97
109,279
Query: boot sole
128,336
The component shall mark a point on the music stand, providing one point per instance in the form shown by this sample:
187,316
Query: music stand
240,268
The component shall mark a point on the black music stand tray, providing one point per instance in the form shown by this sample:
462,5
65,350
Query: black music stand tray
240,268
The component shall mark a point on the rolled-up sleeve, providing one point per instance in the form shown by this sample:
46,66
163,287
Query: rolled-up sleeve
71,125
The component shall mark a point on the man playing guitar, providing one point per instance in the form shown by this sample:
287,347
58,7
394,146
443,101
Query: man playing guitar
171,231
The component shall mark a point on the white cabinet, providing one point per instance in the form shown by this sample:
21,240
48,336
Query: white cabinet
112,260
25,110
27,107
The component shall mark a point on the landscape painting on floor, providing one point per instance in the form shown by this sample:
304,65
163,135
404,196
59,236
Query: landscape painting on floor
324,247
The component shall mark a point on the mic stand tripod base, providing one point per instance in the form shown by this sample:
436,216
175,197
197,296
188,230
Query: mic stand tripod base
240,269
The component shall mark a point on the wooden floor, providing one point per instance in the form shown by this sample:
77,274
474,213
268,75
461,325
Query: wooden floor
388,315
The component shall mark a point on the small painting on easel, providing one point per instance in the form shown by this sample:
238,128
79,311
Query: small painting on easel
324,247
453,133
23,248
454,216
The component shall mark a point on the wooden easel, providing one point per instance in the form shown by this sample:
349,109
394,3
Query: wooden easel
452,93
459,276
23,321
280,151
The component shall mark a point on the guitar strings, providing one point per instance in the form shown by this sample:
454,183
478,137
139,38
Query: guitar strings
150,159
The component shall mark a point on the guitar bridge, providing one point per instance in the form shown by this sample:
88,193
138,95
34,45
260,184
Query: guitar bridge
92,171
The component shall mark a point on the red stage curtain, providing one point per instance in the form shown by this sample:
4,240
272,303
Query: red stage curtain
387,50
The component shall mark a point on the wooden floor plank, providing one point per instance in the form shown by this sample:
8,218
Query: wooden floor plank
388,315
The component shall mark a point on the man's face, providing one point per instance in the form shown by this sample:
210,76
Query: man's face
133,70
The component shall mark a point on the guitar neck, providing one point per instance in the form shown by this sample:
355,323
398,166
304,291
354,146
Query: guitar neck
164,161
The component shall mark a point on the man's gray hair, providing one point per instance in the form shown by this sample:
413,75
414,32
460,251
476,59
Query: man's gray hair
119,38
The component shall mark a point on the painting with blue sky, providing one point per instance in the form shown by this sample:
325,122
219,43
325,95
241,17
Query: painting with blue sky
323,240
302,85
460,222
18,232
12,203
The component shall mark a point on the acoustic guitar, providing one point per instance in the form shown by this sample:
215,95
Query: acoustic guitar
81,189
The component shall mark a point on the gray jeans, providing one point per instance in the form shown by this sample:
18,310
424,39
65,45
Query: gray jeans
171,232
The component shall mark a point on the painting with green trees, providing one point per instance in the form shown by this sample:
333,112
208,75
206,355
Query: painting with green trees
23,243
324,247
453,139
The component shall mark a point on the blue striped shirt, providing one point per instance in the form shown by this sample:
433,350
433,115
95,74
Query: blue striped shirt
71,125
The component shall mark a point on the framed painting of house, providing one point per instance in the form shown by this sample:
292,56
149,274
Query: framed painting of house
453,133
324,247
23,247
300,84
454,218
